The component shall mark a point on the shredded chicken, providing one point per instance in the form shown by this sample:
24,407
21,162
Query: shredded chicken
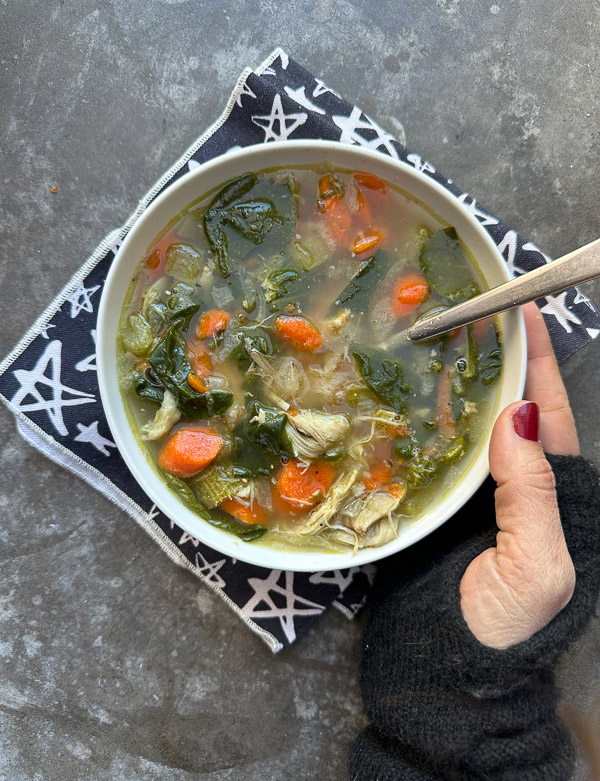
166,417
375,507
324,512
312,432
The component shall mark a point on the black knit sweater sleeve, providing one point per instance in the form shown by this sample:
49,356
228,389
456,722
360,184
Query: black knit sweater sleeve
441,704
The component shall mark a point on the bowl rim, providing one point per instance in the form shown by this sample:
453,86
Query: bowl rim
114,405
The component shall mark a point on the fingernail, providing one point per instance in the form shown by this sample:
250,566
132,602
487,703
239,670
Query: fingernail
526,420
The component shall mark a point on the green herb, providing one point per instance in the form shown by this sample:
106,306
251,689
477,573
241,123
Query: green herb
220,520
383,376
172,367
421,471
277,283
446,268
405,448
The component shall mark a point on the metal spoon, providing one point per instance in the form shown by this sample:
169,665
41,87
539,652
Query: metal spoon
578,266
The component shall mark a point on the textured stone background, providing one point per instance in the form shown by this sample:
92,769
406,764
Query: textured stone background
115,664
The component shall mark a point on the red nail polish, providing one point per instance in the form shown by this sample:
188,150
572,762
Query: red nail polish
526,420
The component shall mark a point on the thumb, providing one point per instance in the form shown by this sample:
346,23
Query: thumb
514,589
530,545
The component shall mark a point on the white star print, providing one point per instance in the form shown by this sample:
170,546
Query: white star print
558,308
268,72
351,125
278,116
193,164
211,570
336,578
421,165
509,245
185,537
322,88
80,299
245,91
300,98
483,217
88,364
153,513
286,614
94,437
581,299
28,380
44,331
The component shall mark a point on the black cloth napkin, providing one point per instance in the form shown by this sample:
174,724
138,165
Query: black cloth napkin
49,380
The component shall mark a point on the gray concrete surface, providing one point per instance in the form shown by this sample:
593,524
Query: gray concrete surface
115,664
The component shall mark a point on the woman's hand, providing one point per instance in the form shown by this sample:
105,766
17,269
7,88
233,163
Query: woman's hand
511,591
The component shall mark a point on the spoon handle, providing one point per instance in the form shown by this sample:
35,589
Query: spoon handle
578,266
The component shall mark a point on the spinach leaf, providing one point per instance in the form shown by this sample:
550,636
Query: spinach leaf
147,386
383,376
258,338
180,304
358,293
249,212
218,519
446,267
259,439
172,367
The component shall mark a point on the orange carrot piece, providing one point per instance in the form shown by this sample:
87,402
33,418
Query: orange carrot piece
197,383
410,291
366,242
443,410
189,450
246,513
379,475
370,181
301,334
199,356
212,323
158,253
301,486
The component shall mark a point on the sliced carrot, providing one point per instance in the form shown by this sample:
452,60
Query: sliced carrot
366,242
199,356
250,513
410,291
301,334
379,475
189,450
212,323
156,257
330,191
397,490
301,486
443,410
197,383
370,181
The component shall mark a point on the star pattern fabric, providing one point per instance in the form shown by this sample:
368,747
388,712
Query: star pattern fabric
50,383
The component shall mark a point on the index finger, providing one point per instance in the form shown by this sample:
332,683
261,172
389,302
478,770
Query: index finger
544,385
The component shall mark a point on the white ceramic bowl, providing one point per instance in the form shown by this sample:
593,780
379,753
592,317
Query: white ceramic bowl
192,186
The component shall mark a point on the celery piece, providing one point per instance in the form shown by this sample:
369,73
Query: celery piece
217,483
137,337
